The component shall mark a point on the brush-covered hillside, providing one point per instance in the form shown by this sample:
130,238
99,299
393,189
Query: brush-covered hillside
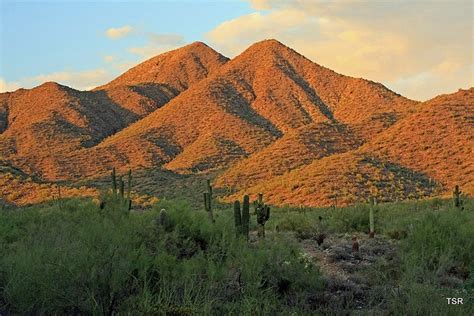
268,120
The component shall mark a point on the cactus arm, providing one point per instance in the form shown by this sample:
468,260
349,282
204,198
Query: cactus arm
263,214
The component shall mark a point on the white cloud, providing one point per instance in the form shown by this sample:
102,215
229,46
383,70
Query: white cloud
109,58
166,39
150,50
113,64
434,81
398,43
158,44
81,80
8,86
115,33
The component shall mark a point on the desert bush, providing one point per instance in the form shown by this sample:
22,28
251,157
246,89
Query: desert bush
78,259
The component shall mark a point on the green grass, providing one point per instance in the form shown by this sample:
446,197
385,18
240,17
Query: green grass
435,242
78,259
71,257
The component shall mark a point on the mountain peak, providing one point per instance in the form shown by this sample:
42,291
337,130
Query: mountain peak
177,69
267,52
197,44
266,45
50,84
270,42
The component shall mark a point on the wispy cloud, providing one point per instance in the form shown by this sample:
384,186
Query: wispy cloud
116,33
81,80
109,58
166,39
157,44
8,86
400,43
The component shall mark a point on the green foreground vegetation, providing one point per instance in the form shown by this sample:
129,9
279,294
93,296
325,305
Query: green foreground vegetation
71,257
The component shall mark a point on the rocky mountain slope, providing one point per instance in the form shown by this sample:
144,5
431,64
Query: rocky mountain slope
42,127
269,120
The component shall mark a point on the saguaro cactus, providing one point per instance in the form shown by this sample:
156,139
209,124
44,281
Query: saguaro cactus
163,218
263,214
114,184
208,201
118,194
129,190
242,217
457,197
246,216
371,218
237,218
371,222
121,188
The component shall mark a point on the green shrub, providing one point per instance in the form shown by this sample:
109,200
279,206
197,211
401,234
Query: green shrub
80,259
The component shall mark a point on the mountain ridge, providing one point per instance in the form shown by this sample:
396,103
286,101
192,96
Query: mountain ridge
266,116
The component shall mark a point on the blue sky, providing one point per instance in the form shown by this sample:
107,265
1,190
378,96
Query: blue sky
41,37
419,48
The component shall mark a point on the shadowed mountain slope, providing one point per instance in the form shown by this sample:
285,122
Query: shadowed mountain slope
259,96
42,127
438,140
343,179
424,154
269,121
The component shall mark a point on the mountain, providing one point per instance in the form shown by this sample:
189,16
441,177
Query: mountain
437,140
175,70
19,188
41,127
424,154
269,120
266,94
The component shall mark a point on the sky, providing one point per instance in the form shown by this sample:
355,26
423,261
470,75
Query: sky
417,48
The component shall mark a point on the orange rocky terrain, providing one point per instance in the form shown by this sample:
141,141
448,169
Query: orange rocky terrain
268,120
42,127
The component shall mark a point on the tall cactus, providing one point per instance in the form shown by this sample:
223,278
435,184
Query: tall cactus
237,218
129,183
372,219
371,222
129,190
242,217
208,201
118,194
246,216
163,218
114,184
457,198
263,214
121,188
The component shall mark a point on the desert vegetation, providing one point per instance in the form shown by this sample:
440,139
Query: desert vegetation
323,193
74,256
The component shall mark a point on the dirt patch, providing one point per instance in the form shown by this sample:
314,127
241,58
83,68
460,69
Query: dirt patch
346,273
